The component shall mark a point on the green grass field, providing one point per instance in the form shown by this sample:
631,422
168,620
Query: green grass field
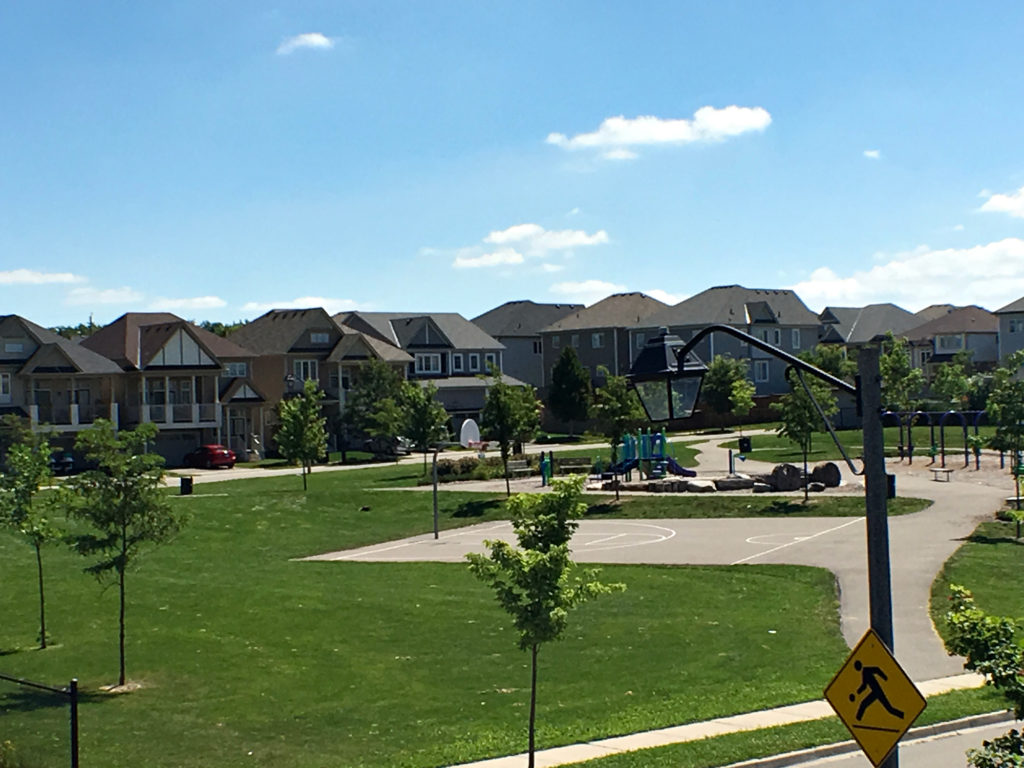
246,657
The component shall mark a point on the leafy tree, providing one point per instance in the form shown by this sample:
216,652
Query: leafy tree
219,328
831,358
717,390
989,645
14,429
742,399
511,415
569,394
122,501
617,409
799,418
302,436
536,582
82,330
23,509
426,420
373,384
901,381
952,383
1005,407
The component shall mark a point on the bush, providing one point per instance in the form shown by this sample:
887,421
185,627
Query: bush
466,465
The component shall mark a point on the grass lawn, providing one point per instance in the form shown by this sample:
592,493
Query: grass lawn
989,563
247,658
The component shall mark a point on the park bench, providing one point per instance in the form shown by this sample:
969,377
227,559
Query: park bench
941,474
518,467
575,466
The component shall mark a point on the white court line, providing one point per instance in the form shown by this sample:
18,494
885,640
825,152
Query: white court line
799,541
606,538
418,540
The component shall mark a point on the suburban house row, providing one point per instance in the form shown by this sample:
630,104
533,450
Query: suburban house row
199,387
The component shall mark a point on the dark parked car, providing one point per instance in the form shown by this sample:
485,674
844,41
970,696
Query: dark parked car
210,456
62,463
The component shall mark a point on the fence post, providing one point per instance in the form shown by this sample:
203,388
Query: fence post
73,694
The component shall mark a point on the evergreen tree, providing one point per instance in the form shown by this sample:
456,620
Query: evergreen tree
569,394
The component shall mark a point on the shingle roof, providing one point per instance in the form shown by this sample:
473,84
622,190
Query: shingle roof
522,318
132,339
961,320
932,312
1013,306
277,331
399,327
859,325
735,305
82,359
620,310
354,343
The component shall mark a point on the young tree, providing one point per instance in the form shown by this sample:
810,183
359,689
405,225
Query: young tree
952,383
122,501
617,409
426,420
901,381
374,383
717,391
569,394
799,417
535,583
302,436
511,414
742,399
22,508
1005,407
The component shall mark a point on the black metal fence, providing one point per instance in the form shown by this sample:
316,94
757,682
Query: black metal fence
10,702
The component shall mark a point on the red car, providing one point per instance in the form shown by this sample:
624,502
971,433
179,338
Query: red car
210,456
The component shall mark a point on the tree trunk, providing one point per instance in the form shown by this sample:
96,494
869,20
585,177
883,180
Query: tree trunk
533,703
304,486
504,464
42,602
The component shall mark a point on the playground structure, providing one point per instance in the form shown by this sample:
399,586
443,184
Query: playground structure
907,420
649,454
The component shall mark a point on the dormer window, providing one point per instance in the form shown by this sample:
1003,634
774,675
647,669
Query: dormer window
319,337
14,346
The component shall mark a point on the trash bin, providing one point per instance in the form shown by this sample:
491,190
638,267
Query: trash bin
745,445
186,485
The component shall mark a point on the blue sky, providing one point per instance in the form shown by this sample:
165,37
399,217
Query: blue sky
218,159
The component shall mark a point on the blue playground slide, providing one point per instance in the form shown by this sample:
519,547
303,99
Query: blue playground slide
675,469
624,466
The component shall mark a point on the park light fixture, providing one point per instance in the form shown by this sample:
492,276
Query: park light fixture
667,389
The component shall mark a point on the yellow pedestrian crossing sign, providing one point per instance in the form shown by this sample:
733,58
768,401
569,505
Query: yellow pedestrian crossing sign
874,697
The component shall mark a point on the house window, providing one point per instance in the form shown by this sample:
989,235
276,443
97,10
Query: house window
536,347
346,382
474,361
794,335
597,340
777,337
236,370
156,394
332,380
640,341
305,370
5,387
14,346
760,371
556,342
491,359
950,343
319,337
575,341
428,362
457,362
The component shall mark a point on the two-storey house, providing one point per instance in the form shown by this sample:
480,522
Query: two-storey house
1011,328
972,330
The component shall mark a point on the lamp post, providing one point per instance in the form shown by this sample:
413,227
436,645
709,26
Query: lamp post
668,389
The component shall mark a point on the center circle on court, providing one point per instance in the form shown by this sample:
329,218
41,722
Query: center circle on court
776,539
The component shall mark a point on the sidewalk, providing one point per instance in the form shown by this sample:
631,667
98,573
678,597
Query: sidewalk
750,721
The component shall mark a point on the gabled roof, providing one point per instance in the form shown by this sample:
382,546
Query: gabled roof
522,318
355,345
1013,306
134,338
279,330
859,325
79,359
932,312
961,320
401,328
735,305
620,310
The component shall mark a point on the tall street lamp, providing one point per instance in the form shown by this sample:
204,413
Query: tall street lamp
667,378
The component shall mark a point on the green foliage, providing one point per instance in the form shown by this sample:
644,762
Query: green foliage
511,414
14,429
1005,404
799,418
21,507
742,397
569,395
374,383
121,501
952,384
617,409
831,358
534,582
425,419
901,382
717,390
302,436
1006,751
82,330
219,328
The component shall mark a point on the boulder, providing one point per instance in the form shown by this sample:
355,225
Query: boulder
827,474
762,488
700,486
786,477
815,487
734,483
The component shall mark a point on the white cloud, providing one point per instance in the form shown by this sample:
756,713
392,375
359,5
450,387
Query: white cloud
989,275
197,302
586,291
332,306
87,295
493,259
665,296
537,241
872,154
548,267
313,40
1012,203
32,277
958,228
707,125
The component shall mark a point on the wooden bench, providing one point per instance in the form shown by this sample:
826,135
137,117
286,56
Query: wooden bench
575,466
518,467
941,474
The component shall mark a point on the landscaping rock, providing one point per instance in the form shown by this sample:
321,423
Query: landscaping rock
762,488
786,477
734,483
700,486
815,487
827,474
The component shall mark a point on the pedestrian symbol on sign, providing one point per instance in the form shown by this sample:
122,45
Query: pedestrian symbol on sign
870,682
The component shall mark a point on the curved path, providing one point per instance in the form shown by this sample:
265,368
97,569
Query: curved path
919,545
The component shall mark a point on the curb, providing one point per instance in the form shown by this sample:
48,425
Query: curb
847,747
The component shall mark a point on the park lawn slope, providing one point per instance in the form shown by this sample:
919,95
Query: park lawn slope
246,657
